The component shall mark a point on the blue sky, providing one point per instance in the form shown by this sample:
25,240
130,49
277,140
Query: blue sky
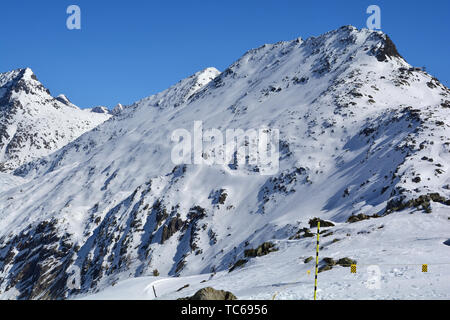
129,50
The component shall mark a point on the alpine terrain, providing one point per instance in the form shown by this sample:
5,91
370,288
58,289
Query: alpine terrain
33,123
97,209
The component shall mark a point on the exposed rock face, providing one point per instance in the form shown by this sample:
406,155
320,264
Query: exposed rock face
168,230
63,99
354,132
209,293
39,258
262,250
117,109
238,264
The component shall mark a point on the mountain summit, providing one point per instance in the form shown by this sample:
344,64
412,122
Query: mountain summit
364,145
33,123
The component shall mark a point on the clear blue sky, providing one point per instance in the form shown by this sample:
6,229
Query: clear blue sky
127,50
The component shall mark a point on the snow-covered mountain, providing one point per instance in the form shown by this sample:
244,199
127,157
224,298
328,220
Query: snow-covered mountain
364,141
117,109
33,123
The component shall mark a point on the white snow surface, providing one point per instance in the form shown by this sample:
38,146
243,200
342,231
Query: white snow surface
355,133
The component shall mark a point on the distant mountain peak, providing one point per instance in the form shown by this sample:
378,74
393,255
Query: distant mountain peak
388,50
28,74
32,122
100,109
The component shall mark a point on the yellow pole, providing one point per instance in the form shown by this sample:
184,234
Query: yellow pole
317,261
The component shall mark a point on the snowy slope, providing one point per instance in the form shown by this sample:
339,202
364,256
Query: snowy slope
357,127
399,245
33,123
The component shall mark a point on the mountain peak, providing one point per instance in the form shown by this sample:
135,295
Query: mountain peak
210,71
32,122
387,47
182,91
21,81
389,50
27,73
10,78
64,100
100,109
117,109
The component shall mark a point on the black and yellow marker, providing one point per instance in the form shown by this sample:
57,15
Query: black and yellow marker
317,260
424,268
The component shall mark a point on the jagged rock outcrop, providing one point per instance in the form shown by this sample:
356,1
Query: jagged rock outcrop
353,131
209,293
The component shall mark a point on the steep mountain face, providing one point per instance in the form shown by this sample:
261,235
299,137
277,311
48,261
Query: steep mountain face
33,123
361,134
